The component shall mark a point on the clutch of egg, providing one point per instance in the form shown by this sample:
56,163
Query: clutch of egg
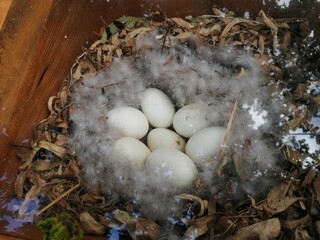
178,144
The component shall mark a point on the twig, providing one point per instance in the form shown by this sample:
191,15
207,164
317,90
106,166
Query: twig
58,199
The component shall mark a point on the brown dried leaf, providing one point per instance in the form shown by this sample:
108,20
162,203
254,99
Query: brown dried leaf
277,193
277,199
57,150
90,225
108,47
269,22
261,43
182,23
317,100
182,37
302,234
274,30
224,159
302,117
43,165
293,224
26,155
119,52
301,92
234,22
35,178
199,227
215,29
293,155
63,95
75,169
137,32
224,227
312,173
61,139
285,45
115,40
95,44
265,230
147,229
193,198
316,187
52,102
219,13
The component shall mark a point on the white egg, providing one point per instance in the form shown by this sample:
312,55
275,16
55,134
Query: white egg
190,119
168,165
162,137
157,107
205,144
128,121
130,151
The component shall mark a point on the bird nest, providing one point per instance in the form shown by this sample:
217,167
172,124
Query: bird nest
289,209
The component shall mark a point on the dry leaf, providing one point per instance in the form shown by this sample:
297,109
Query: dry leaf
269,229
115,40
293,156
57,150
277,193
137,32
302,234
43,165
285,45
293,224
90,225
301,92
224,227
147,229
298,120
316,187
182,37
224,160
312,173
219,13
182,23
277,199
199,227
317,100
35,178
108,47
193,198
26,155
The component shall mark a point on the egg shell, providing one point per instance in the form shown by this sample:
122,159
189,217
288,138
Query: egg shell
128,121
205,144
157,107
190,119
130,151
168,165
163,137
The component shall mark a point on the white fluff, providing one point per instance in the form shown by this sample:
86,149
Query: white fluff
205,76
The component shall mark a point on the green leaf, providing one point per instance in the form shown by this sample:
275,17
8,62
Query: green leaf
60,227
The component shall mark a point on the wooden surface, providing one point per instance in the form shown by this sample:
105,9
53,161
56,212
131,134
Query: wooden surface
39,41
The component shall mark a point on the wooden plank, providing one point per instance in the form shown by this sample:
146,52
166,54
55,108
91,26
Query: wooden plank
20,30
4,8
7,237
39,42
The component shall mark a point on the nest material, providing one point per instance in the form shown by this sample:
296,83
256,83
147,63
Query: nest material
289,210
